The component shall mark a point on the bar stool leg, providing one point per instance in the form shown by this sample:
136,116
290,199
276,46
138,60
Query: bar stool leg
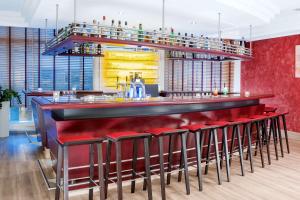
186,170
260,144
286,134
134,159
232,145
248,132
240,150
91,148
147,167
210,137
107,165
66,173
119,170
265,131
180,165
145,181
58,172
216,144
100,171
199,157
170,158
161,163
224,130
279,135
274,137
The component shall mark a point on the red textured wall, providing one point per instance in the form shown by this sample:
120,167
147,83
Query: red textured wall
273,71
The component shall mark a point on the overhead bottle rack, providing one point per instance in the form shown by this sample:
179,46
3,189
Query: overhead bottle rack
86,39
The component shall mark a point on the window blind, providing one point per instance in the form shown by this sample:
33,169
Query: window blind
31,70
193,75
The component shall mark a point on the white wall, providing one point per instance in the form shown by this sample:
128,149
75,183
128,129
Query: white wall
237,76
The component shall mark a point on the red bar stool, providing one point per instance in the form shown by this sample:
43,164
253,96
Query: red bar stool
276,118
64,142
199,130
160,133
117,138
213,126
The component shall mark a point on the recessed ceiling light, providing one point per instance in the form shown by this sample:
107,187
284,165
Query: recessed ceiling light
193,22
120,13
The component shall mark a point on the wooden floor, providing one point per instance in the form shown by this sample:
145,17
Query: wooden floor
20,178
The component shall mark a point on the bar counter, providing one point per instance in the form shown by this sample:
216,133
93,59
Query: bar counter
102,116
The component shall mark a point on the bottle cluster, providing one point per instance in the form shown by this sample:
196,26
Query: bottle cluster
86,49
122,31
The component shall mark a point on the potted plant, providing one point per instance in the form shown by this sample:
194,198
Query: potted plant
6,95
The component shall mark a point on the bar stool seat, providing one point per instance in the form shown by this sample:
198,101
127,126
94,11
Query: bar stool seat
117,138
78,139
164,131
125,135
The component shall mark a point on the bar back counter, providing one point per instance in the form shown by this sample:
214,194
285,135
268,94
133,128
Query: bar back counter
103,116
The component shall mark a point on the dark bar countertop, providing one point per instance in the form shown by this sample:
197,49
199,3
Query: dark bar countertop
105,107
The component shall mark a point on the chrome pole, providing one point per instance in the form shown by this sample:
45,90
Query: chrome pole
46,32
56,21
250,37
219,29
163,16
75,11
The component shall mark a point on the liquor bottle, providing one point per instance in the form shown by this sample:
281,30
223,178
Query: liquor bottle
154,37
134,34
225,89
94,31
103,28
76,48
99,49
112,30
140,33
147,37
191,41
206,43
160,37
179,42
86,48
172,37
242,46
166,39
185,40
126,32
84,31
119,31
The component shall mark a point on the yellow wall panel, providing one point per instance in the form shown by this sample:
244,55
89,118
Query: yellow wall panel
117,66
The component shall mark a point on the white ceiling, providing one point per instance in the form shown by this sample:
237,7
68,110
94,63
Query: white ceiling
269,18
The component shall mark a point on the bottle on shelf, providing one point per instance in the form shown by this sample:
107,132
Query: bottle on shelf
112,30
134,34
166,39
225,89
76,48
206,43
154,37
179,42
84,30
99,49
192,41
140,33
147,37
172,37
103,27
94,31
119,31
160,36
86,48
185,40
126,32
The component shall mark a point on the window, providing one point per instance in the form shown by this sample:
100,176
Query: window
21,54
